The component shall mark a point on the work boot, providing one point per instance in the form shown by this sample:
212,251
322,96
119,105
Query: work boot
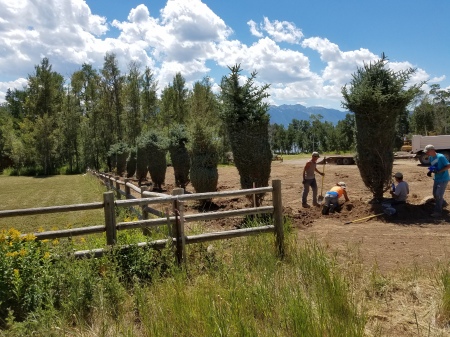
325,210
305,205
436,214
316,204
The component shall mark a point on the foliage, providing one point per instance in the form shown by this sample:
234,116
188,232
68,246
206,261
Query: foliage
119,153
179,155
377,96
142,154
247,122
131,162
157,164
204,160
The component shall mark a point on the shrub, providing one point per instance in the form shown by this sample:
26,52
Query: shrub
204,159
131,163
157,164
179,155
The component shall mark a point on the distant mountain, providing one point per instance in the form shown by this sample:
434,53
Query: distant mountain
284,114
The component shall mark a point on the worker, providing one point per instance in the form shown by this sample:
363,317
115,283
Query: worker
309,179
331,201
439,166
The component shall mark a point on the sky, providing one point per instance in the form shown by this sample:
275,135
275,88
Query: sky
306,50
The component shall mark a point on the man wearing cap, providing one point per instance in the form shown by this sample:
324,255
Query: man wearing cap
309,179
401,190
440,167
331,201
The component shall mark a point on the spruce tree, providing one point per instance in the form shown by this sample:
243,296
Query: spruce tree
247,121
377,96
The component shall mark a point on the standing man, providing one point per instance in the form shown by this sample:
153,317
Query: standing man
309,179
439,166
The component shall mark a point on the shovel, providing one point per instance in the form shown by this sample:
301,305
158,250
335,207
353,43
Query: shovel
320,198
366,218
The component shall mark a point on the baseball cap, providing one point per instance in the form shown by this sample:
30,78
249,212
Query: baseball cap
342,184
315,154
398,175
428,148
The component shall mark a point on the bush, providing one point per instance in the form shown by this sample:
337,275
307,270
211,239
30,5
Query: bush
204,160
179,155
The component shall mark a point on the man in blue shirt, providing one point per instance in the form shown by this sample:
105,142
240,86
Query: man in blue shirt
440,166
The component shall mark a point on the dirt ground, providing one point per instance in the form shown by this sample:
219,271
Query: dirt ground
401,250
410,237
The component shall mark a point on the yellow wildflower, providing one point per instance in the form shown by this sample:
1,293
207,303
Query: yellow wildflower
30,237
14,234
46,255
16,273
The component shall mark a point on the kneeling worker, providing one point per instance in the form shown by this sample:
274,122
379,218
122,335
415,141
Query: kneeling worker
331,201
400,192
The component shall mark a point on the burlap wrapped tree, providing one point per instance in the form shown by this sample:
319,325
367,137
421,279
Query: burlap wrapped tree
247,121
377,96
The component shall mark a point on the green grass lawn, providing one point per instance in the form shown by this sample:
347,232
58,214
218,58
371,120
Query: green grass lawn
31,192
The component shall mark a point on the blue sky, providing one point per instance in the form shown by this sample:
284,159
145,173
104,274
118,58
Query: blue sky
306,50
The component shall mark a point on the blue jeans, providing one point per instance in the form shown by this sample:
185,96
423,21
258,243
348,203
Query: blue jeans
331,200
438,194
306,185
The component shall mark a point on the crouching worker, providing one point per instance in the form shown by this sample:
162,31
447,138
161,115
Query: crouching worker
331,201
400,191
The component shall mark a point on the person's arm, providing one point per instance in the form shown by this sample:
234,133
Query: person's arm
304,170
445,168
321,173
346,196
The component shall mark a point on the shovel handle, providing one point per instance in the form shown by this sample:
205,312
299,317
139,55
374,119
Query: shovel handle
367,217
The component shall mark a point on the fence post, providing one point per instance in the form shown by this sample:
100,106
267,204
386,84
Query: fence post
177,226
278,216
145,230
127,188
118,196
110,218
144,207
111,182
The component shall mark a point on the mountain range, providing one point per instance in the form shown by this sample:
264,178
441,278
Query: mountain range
284,114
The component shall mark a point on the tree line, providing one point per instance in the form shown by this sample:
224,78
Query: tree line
52,126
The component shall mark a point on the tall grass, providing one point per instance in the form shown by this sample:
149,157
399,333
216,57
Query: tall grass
234,288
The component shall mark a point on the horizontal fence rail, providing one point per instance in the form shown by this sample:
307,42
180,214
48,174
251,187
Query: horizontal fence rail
175,221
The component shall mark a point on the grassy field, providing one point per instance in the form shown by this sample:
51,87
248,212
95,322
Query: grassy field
31,192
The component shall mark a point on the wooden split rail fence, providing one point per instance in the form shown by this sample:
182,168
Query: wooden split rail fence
175,221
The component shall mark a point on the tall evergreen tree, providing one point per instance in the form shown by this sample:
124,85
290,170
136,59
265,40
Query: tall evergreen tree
247,121
149,100
133,116
377,96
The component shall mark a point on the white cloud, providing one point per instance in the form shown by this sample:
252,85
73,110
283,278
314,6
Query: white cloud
279,31
186,36
254,29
